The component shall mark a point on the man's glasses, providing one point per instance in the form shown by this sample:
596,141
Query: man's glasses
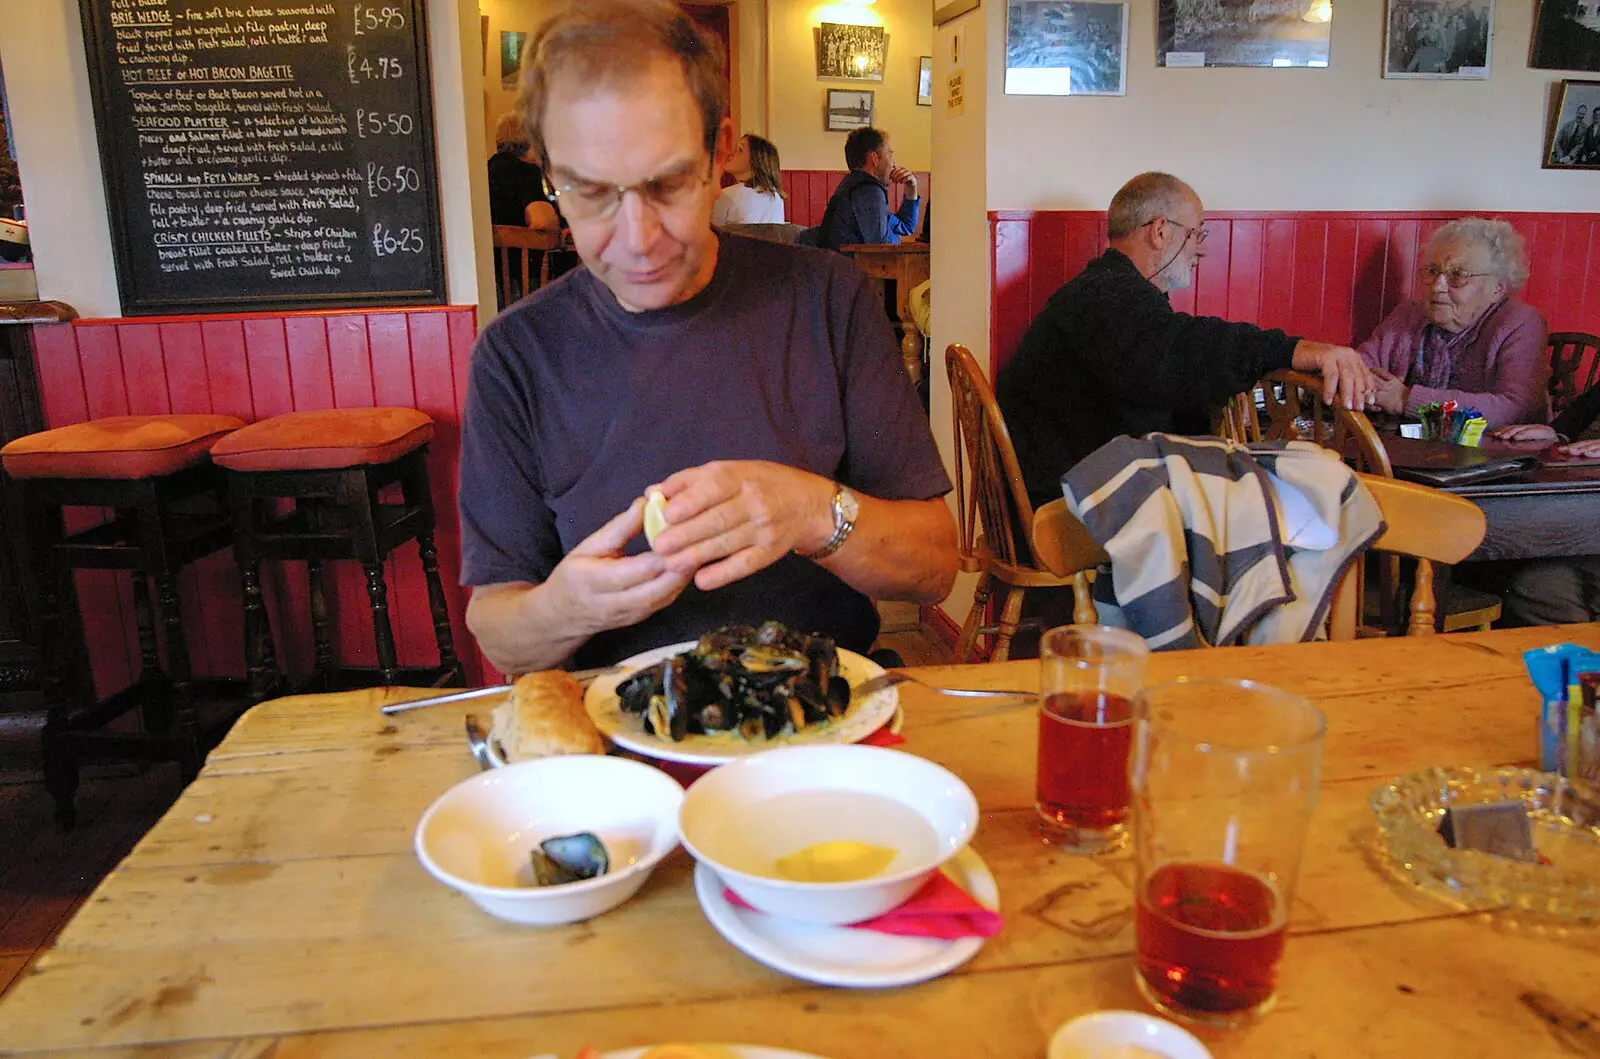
1455,277
585,200
1198,234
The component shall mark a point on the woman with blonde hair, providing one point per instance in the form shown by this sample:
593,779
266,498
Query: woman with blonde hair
757,198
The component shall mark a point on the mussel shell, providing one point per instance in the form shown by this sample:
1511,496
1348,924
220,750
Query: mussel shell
570,858
838,695
633,694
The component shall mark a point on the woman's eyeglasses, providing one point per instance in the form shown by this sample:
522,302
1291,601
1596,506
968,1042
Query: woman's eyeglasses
585,200
1455,277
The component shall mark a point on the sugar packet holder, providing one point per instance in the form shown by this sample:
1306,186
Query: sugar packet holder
1567,678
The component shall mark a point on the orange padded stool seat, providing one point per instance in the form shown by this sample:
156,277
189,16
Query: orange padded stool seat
325,440
168,508
119,447
332,465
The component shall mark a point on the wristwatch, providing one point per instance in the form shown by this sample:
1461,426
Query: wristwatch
846,509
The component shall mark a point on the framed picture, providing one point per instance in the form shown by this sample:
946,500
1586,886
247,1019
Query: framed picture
511,44
1574,141
848,108
1066,48
954,9
850,53
1229,33
925,81
1566,35
1438,38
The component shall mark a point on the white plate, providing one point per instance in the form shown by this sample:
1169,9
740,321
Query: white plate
841,956
864,716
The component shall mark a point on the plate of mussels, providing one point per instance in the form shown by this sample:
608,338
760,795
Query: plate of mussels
738,690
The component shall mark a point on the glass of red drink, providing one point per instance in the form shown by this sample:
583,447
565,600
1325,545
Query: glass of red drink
1088,679
1225,775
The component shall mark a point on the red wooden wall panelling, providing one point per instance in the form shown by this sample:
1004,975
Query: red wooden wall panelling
810,189
1330,276
254,366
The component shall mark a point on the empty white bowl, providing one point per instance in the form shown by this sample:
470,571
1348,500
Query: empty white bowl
742,817
477,837
1117,1035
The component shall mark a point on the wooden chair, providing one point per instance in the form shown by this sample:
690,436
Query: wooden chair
1571,353
1429,525
994,514
517,273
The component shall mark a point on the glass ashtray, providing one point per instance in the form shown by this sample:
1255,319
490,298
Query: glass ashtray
1564,818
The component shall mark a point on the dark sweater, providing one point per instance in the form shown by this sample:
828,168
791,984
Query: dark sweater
1108,355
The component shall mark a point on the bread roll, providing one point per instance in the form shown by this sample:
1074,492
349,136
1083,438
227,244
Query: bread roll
544,716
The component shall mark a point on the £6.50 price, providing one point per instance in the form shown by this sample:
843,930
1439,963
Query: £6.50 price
396,180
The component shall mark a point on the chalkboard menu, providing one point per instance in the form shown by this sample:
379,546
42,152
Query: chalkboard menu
266,154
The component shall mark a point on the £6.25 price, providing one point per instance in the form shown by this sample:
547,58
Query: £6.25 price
386,240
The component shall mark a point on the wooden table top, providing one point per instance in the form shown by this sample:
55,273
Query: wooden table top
278,909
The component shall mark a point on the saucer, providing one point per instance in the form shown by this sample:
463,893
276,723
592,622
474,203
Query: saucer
725,1051
841,956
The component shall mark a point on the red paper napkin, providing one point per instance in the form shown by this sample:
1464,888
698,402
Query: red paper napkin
940,909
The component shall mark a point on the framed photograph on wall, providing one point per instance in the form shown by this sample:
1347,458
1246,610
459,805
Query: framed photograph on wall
1566,35
848,108
1438,38
1066,48
511,44
1574,140
1230,33
850,53
925,81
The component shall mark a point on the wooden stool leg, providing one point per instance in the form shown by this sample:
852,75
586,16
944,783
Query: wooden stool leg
321,636
187,721
439,608
414,484
155,703
261,658
382,631
60,760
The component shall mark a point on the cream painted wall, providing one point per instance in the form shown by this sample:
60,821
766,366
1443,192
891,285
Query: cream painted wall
747,23
960,256
798,97
47,83
1343,138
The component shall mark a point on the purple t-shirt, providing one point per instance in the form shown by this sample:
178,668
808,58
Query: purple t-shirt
575,406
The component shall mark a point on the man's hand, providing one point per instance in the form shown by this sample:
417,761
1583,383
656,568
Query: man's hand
902,175
1587,449
1346,379
1391,393
729,519
1526,432
596,587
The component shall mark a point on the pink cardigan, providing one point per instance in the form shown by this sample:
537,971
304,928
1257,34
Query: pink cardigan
1504,371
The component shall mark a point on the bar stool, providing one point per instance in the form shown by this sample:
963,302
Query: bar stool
332,465
168,508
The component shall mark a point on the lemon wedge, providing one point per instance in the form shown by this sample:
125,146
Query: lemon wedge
655,514
835,862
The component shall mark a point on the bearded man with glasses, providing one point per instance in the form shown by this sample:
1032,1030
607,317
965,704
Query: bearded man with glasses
1466,337
756,384
1109,355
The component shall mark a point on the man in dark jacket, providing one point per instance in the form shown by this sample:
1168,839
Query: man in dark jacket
858,212
1109,355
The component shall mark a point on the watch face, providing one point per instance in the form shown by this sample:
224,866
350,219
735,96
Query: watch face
848,504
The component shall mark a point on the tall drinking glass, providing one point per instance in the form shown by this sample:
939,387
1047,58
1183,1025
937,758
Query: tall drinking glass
1088,679
1225,775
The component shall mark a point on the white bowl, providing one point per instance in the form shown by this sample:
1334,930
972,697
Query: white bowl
741,818
1109,1035
478,836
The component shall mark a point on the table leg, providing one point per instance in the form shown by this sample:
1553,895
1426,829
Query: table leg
911,350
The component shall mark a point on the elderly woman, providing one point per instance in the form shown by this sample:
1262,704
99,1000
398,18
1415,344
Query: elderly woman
1467,338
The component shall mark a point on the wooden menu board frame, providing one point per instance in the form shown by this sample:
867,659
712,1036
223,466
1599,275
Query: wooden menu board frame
326,204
